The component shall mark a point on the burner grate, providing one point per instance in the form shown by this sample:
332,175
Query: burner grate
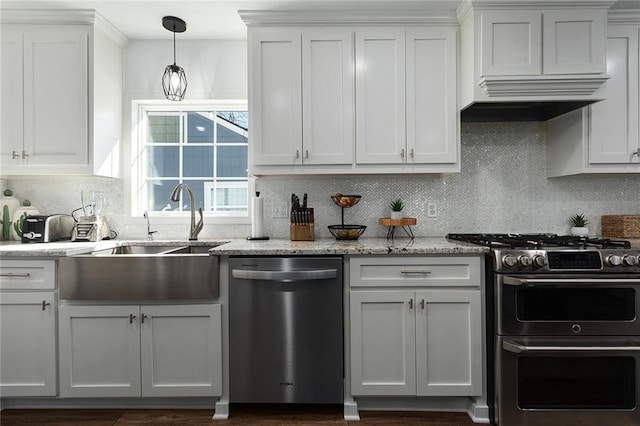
538,241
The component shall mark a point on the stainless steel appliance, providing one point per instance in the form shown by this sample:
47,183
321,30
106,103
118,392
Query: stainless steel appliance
92,225
563,329
47,228
285,320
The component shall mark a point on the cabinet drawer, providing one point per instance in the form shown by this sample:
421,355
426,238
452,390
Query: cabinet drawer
375,271
27,275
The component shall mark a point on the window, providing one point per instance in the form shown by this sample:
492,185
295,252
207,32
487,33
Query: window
204,146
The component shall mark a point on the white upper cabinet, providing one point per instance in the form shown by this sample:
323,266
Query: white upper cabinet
61,94
330,98
604,137
275,101
532,50
327,94
301,80
380,99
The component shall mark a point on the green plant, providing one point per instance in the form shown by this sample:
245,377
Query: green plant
26,203
8,193
578,220
17,225
396,205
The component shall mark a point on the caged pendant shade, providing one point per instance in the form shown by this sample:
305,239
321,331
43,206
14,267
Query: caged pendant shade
174,80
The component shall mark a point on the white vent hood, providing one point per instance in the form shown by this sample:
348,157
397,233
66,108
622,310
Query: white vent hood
531,60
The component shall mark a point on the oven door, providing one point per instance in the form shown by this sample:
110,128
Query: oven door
560,381
567,305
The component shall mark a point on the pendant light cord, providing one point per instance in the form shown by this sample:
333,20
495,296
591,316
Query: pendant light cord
174,44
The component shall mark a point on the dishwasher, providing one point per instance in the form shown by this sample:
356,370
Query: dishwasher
286,337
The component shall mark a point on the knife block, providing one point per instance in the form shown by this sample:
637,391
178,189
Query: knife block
302,231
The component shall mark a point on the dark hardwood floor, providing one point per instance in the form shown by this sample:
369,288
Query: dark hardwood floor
240,415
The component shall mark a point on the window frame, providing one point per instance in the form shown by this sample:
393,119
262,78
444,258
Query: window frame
138,165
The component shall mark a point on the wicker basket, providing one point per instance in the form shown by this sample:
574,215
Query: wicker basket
621,226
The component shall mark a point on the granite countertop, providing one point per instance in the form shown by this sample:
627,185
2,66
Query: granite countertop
369,246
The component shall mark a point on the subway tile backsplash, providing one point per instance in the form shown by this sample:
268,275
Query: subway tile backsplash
502,188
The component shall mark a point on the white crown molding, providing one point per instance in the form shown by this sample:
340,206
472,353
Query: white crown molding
337,18
63,17
535,4
624,16
541,86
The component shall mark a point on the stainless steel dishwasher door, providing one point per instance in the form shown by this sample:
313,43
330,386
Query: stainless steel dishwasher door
286,330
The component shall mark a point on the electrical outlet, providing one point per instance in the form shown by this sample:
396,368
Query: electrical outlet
280,209
432,209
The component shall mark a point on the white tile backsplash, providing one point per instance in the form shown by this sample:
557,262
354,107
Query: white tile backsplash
502,188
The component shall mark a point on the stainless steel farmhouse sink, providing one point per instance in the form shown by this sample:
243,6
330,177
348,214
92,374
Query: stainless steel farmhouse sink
141,272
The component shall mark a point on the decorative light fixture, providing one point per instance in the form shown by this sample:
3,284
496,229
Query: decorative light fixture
174,80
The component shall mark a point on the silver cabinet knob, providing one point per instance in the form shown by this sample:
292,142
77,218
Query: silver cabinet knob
539,260
524,261
629,260
509,260
613,260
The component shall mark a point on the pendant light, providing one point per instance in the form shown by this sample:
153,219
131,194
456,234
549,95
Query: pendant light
174,80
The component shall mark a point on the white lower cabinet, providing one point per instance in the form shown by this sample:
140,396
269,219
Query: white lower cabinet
28,344
27,328
424,342
148,350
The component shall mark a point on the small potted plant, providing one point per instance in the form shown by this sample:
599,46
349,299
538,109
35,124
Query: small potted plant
396,208
579,225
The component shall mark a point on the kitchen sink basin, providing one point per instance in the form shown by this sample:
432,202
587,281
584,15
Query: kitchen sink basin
141,272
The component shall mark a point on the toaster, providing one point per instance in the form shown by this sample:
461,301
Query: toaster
47,228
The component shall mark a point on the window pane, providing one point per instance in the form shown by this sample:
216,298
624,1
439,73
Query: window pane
231,199
163,129
198,161
163,161
197,186
232,161
160,195
199,127
230,134
239,118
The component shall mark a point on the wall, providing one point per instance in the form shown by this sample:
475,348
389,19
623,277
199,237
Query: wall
502,188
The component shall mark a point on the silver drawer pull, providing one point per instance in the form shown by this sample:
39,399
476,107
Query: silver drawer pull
415,272
45,304
518,348
11,274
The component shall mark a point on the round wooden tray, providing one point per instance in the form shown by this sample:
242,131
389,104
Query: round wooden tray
405,221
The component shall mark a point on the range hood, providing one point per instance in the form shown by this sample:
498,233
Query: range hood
531,60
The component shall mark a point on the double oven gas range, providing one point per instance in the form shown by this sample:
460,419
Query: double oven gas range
563,329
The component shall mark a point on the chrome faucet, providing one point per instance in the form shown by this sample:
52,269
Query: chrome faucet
194,229
149,231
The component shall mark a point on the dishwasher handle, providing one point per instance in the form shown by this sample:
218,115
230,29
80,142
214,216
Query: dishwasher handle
285,276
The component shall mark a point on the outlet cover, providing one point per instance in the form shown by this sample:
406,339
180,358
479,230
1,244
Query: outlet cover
280,210
432,209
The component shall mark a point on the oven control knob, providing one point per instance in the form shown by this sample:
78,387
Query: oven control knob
629,260
524,261
613,260
509,260
539,260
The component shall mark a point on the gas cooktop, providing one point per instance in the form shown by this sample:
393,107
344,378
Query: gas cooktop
538,241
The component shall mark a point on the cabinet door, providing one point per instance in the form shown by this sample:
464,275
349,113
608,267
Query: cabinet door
511,43
11,97
382,343
614,121
56,112
99,351
181,350
27,344
448,342
380,97
574,41
328,77
275,99
432,110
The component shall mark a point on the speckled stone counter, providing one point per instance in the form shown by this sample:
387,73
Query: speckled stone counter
365,246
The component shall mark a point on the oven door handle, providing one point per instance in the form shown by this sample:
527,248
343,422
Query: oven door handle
517,348
517,281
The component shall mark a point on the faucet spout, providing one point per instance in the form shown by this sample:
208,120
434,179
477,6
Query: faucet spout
194,228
